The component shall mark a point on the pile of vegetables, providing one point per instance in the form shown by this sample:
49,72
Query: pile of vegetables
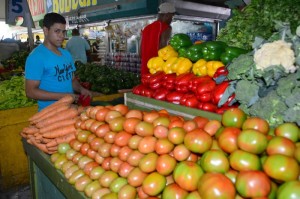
16,61
104,79
53,125
266,82
12,94
128,153
257,20
190,74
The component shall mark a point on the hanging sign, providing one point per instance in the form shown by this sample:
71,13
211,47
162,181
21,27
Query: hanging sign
16,9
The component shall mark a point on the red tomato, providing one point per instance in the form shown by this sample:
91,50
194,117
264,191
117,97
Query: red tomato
281,167
122,108
115,164
136,177
147,144
134,158
163,146
198,141
212,126
124,153
134,141
154,184
148,162
174,191
129,124
215,185
161,131
243,161
252,141
214,161
187,174
122,138
125,169
116,124
251,184
228,139
256,123
289,189
150,116
144,128
107,177
288,130
233,117
201,121
181,153
165,164
176,135
281,145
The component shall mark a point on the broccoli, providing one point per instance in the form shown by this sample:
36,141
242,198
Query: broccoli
292,115
246,92
240,67
270,107
287,84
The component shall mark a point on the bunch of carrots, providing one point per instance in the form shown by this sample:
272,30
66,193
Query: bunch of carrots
52,125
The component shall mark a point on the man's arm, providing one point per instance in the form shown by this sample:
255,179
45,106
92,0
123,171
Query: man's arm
34,92
79,89
165,37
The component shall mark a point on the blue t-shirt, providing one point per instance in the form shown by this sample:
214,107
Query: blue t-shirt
55,72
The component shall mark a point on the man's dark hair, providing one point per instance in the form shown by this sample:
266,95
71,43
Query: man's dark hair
52,18
75,32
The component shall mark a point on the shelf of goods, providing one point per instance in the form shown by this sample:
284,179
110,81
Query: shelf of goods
13,161
48,182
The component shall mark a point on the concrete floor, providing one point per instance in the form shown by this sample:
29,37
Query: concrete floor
17,193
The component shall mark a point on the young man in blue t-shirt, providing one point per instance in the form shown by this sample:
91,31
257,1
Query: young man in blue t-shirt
49,69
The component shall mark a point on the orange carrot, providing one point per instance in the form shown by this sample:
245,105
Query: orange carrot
46,140
52,149
66,99
60,107
58,124
62,115
61,131
62,139
30,130
42,147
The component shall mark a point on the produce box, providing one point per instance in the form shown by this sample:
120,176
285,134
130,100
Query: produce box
145,103
13,161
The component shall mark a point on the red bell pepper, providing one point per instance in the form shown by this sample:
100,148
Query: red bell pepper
169,81
220,74
160,94
223,108
204,97
147,92
138,89
207,106
195,81
183,81
174,97
145,79
192,102
219,91
206,86
184,98
84,100
155,81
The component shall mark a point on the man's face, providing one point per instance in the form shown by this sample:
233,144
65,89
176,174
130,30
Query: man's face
55,34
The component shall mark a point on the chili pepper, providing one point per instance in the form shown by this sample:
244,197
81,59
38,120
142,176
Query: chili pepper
231,53
220,74
191,102
155,64
174,97
207,106
167,52
167,66
206,86
194,53
160,94
182,65
218,92
213,50
180,40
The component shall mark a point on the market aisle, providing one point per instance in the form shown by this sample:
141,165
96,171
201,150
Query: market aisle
17,193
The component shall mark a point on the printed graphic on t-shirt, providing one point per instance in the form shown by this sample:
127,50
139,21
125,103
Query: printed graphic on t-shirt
65,73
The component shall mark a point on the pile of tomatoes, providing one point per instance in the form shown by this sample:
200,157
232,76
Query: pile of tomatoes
128,153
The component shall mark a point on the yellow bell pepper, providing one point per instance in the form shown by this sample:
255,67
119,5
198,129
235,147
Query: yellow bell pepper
167,66
155,64
199,68
182,65
212,67
167,52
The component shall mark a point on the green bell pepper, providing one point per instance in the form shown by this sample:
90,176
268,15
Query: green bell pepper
194,53
182,52
231,53
213,50
180,40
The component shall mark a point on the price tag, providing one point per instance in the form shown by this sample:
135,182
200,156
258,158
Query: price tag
15,9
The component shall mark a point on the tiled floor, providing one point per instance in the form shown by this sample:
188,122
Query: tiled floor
17,193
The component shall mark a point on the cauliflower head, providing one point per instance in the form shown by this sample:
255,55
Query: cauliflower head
275,53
